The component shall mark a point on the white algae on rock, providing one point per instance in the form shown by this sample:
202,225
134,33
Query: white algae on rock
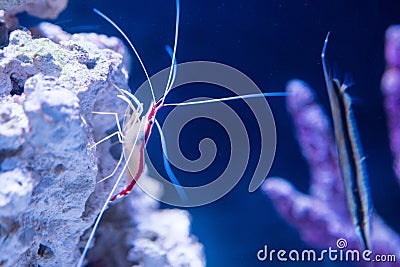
49,198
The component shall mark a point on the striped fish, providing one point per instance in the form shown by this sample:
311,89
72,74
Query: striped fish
352,161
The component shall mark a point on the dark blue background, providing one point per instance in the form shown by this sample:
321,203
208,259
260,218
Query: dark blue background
272,42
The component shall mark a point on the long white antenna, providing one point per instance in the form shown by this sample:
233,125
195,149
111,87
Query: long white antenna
131,45
169,83
227,99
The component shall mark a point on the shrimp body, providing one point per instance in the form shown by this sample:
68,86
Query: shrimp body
134,139
134,142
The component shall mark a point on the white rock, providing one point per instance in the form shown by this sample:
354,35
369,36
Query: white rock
39,8
15,192
48,171
44,135
163,239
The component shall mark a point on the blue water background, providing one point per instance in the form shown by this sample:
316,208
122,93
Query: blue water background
272,42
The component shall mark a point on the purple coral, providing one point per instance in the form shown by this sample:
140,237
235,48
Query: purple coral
391,92
322,216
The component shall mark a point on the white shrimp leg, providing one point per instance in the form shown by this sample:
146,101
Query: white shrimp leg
119,132
106,203
120,135
115,169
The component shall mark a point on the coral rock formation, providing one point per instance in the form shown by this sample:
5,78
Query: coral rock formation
46,9
48,171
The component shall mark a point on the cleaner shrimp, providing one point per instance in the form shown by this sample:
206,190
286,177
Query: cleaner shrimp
137,128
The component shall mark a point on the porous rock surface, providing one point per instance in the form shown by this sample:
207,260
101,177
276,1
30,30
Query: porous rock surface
38,8
48,171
